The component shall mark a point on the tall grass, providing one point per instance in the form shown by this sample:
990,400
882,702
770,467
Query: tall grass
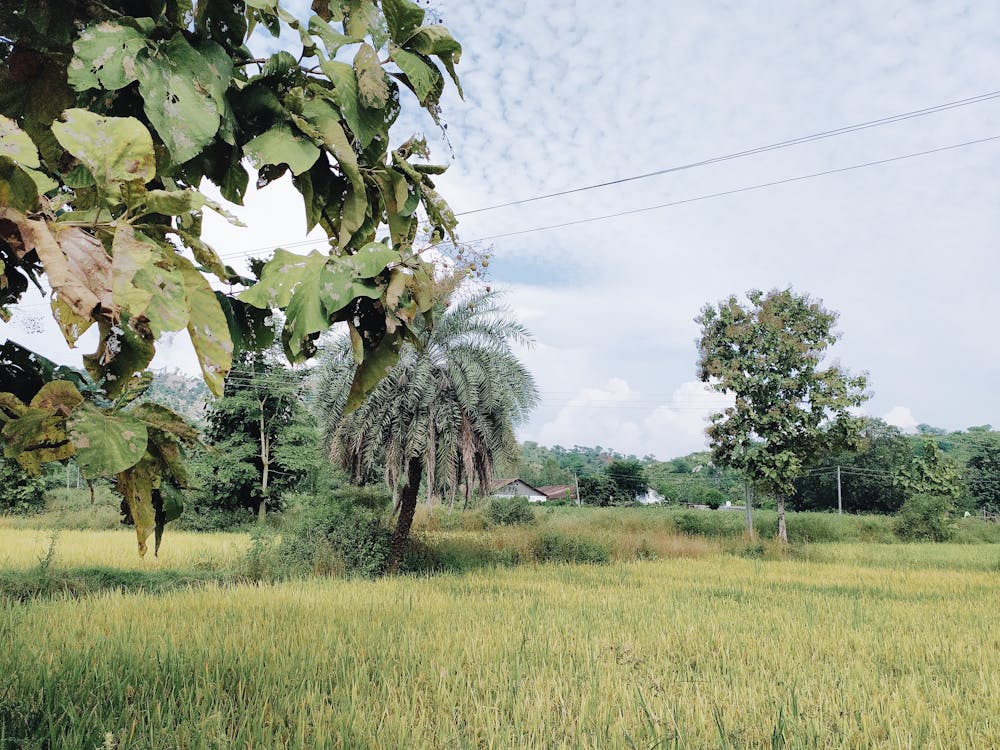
713,652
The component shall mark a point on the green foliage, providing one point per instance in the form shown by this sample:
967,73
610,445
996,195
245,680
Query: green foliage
984,476
341,532
926,517
510,511
554,546
260,423
450,406
111,117
931,472
868,474
788,408
20,492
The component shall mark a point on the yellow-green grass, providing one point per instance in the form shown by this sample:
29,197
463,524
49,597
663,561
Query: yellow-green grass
24,548
718,651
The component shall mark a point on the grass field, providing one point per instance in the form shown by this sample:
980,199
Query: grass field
845,646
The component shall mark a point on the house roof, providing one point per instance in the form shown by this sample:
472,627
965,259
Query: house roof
556,490
501,483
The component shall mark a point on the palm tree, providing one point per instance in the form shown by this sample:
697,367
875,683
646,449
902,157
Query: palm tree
447,410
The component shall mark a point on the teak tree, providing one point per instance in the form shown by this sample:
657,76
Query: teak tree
788,407
112,114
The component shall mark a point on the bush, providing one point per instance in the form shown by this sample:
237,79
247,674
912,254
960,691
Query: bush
925,517
552,546
714,499
510,511
342,532
19,492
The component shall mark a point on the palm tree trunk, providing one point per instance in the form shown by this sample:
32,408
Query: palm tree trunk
407,506
782,531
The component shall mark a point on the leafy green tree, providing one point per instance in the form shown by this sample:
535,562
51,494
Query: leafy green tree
983,476
868,474
600,489
113,113
445,411
788,408
932,473
629,477
262,440
19,491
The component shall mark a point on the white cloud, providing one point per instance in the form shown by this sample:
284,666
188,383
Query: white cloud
901,417
619,417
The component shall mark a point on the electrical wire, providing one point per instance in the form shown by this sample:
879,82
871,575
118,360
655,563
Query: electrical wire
749,152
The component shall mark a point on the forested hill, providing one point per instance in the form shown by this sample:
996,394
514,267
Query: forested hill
185,394
876,477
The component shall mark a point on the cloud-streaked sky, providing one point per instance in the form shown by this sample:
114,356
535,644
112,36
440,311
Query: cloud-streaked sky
573,92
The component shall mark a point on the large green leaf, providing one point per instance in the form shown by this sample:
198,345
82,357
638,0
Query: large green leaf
105,57
17,145
180,94
370,260
280,145
305,316
114,149
207,326
145,284
17,188
136,485
423,78
402,17
437,40
332,39
373,91
280,276
106,443
376,365
339,285
365,123
166,420
325,119
250,328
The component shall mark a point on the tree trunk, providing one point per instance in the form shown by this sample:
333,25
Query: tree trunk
407,506
265,463
782,531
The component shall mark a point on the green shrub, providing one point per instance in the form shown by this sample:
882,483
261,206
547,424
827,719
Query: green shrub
925,517
714,499
553,546
20,492
341,532
510,511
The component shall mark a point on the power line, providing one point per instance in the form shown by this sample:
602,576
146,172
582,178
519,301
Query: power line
751,151
671,204
736,191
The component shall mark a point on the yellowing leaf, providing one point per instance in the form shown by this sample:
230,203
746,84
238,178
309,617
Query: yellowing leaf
105,57
16,144
207,326
106,443
114,149
373,91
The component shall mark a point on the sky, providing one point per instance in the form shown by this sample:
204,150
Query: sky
570,93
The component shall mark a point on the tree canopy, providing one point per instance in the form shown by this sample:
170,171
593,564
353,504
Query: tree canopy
789,407
112,114
446,410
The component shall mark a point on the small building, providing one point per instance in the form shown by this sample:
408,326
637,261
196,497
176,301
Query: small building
517,488
649,497
558,491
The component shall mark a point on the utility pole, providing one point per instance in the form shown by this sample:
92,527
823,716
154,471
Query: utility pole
746,503
840,499
576,481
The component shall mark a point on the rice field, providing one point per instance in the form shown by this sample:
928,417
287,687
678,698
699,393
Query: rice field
712,652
